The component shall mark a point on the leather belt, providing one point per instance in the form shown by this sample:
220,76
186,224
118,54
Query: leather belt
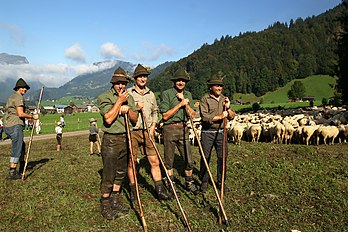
176,124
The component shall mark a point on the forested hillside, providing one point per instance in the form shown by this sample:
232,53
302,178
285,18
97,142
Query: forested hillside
258,62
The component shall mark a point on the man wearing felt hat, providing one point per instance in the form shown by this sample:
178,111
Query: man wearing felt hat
14,127
175,107
146,103
214,108
113,105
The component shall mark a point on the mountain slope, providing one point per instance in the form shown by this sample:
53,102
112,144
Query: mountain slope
259,62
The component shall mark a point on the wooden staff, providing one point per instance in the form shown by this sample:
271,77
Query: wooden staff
223,164
31,135
134,172
208,169
165,170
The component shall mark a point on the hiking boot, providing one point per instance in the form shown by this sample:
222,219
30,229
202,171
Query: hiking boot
106,209
226,188
14,175
132,192
162,193
204,187
191,187
116,203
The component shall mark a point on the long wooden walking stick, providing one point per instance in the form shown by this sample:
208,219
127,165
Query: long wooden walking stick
31,135
208,170
166,171
134,172
223,164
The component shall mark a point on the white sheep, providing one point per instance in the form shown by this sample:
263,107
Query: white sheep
327,132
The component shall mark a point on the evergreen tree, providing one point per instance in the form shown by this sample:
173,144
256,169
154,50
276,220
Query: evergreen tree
297,91
342,84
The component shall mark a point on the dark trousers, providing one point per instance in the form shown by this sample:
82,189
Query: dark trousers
114,151
176,137
209,141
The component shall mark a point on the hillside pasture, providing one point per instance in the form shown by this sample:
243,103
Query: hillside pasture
274,187
319,86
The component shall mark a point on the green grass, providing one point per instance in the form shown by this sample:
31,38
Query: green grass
319,86
274,188
75,122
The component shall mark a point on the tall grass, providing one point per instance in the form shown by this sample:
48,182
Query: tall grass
273,188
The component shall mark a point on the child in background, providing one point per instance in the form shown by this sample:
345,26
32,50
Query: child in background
93,136
59,136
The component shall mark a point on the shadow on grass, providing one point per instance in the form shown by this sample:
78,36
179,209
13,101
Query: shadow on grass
32,164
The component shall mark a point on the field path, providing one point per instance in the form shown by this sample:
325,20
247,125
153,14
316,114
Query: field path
48,136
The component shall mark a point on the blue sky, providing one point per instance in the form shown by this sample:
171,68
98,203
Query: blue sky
61,39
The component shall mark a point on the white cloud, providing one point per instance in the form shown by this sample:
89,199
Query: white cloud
110,50
51,75
155,53
76,53
91,68
14,31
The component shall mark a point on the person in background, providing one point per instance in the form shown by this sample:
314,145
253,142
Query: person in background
59,135
62,120
37,126
1,127
14,127
214,108
114,104
93,136
175,107
145,102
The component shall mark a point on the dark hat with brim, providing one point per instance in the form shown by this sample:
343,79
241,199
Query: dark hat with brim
119,76
181,74
215,80
92,120
141,71
21,84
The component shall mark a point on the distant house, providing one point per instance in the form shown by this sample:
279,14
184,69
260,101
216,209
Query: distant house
50,109
92,108
60,108
308,98
80,108
68,110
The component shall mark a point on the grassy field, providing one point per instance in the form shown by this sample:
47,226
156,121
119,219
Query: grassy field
319,86
75,122
274,188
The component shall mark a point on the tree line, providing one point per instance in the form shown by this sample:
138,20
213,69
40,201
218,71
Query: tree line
259,62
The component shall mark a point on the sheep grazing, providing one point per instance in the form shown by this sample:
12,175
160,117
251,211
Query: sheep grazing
327,132
343,133
308,132
236,133
277,132
289,132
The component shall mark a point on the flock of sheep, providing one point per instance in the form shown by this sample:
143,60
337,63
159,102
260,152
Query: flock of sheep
310,126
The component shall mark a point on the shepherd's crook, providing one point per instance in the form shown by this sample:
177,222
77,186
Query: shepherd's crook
31,135
208,169
134,172
223,164
165,170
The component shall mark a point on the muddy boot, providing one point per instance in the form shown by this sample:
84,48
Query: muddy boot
175,187
132,192
116,203
190,185
162,192
106,209
14,174
204,187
